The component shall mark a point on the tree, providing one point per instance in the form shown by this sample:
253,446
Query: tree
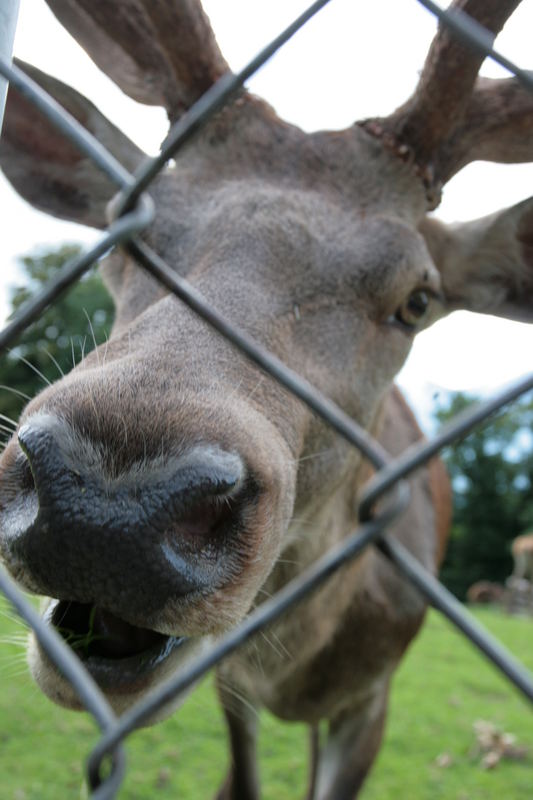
492,479
71,327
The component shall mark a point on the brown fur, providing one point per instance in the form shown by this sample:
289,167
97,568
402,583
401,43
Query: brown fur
314,245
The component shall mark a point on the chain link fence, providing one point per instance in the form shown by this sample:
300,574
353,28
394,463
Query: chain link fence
133,213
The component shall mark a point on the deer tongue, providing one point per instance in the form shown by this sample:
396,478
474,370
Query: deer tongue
115,638
94,632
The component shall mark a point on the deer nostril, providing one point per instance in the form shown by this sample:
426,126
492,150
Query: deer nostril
45,466
54,463
87,532
53,450
27,481
205,472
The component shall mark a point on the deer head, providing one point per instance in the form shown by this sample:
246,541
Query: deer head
152,490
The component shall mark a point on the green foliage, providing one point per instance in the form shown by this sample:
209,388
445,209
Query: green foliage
492,478
56,341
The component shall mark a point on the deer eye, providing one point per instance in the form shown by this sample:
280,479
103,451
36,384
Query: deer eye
413,309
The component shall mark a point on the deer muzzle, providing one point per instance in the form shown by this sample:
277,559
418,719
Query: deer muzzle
117,551
138,540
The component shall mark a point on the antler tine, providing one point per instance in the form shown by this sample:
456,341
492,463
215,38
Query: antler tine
497,126
159,52
441,100
185,34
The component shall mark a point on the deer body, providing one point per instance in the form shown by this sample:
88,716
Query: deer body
196,486
522,550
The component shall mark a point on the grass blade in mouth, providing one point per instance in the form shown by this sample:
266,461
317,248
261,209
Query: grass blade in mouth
93,632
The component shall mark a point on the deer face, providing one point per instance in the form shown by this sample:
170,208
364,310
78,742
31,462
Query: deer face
175,460
151,491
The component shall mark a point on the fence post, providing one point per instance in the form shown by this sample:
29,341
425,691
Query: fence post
9,10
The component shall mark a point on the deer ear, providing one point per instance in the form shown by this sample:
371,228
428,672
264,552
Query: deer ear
158,53
487,265
46,168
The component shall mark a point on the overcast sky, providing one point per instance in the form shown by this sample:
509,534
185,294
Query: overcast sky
355,59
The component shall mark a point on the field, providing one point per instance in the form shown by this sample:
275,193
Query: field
430,751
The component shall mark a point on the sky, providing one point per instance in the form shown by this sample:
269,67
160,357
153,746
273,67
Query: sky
354,60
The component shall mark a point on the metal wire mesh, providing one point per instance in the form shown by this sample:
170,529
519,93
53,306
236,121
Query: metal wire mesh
134,211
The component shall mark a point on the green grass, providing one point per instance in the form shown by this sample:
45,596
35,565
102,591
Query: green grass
441,689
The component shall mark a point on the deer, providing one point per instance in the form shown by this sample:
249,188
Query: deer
522,552
519,584
485,592
164,487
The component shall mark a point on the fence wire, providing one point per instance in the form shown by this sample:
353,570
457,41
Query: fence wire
133,212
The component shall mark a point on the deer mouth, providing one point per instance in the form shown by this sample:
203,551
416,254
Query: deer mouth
118,655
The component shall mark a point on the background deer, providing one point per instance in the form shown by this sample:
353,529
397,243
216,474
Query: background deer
164,486
519,597
522,551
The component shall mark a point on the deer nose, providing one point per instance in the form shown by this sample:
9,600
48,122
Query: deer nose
139,538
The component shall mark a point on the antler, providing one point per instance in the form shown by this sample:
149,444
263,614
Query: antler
452,119
160,52
496,126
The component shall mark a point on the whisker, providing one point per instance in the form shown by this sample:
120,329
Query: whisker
236,388
8,659
8,419
95,409
256,387
12,616
54,360
91,329
312,455
121,419
72,351
271,644
284,650
265,593
229,689
10,674
105,349
15,391
19,640
254,652
33,367
24,625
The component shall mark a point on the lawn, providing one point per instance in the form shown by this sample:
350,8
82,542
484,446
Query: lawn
430,752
